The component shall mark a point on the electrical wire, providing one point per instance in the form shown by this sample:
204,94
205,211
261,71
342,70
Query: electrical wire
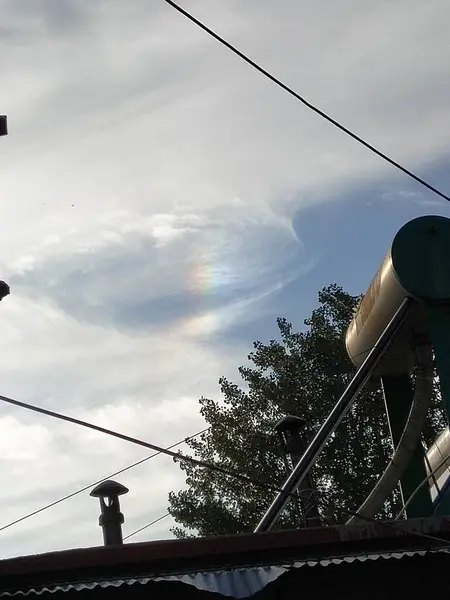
168,452
138,442
127,537
432,476
191,460
305,102
405,530
93,484
387,524
419,487
312,494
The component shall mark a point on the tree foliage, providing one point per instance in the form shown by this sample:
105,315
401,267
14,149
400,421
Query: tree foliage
302,373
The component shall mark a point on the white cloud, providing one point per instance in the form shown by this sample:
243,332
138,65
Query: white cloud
146,162
20,442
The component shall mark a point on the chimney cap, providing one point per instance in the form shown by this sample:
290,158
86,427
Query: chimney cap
4,290
109,488
290,423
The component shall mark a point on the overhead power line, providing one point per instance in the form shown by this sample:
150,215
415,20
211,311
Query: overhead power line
388,524
303,100
93,484
167,451
312,492
138,442
397,527
127,537
421,485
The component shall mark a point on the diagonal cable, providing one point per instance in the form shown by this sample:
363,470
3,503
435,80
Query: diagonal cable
146,526
305,102
138,442
93,484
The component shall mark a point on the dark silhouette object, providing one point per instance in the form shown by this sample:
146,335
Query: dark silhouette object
4,290
3,125
289,431
111,519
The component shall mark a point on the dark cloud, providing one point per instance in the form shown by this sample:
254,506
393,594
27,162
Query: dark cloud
54,17
115,285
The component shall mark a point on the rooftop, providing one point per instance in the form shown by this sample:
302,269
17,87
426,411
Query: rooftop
236,566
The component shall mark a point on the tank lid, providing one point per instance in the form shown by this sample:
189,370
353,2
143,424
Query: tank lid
420,258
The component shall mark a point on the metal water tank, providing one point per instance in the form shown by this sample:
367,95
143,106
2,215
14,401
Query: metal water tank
417,265
437,463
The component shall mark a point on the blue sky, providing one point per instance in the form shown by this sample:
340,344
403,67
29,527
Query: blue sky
345,241
161,204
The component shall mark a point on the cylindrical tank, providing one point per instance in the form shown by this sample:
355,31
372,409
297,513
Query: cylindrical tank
417,265
439,452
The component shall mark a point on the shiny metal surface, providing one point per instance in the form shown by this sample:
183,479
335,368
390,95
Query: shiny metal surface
231,583
377,307
438,452
416,266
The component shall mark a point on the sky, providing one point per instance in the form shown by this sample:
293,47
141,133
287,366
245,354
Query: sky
162,204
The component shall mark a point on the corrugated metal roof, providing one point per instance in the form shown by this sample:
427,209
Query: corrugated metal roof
234,583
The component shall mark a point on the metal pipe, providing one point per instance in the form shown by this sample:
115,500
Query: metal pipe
334,418
111,519
293,443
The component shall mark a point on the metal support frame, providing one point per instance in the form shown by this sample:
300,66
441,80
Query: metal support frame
398,397
307,493
293,443
341,408
439,321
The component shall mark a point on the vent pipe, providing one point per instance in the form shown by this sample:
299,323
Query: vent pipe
289,430
111,519
3,125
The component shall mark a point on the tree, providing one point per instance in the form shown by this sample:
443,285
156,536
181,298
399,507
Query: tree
302,374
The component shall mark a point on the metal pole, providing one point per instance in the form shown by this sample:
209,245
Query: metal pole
334,418
307,493
398,398
293,445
